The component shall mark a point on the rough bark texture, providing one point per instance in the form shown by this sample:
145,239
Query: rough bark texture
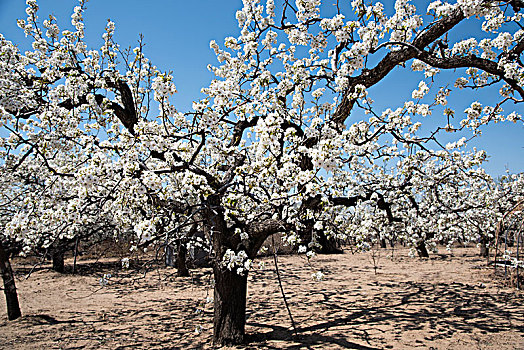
310,234
13,307
230,289
230,306
58,261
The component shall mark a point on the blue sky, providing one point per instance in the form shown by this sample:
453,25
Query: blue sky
177,35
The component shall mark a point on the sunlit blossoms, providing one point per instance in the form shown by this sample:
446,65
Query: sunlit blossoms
287,139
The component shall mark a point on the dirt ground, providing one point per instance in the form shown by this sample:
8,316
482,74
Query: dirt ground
450,301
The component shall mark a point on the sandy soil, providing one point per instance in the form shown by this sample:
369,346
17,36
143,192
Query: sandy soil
450,301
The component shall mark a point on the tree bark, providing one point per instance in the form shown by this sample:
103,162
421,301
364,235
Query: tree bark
484,249
230,306
170,254
328,245
230,289
422,251
182,270
75,254
58,261
11,297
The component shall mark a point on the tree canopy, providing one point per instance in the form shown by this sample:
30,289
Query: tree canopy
287,139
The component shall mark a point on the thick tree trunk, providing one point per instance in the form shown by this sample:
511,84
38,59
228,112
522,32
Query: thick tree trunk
383,243
422,251
230,289
181,257
58,261
13,307
230,306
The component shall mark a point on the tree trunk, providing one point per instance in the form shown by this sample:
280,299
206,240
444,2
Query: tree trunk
230,289
58,261
383,243
75,255
329,245
181,266
230,306
170,255
13,307
422,251
484,249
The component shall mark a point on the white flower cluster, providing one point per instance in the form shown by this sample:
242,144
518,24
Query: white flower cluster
318,276
104,280
83,151
421,91
238,262
440,9
125,263
145,230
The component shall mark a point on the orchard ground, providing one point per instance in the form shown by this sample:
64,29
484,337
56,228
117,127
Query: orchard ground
449,301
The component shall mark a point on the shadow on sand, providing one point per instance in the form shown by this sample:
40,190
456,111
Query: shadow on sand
441,310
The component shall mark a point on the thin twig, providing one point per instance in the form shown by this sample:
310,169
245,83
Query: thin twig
275,259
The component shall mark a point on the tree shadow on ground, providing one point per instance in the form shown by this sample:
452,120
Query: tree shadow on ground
165,324
82,268
43,319
355,310
437,310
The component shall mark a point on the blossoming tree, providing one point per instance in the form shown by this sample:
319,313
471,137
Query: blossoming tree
272,147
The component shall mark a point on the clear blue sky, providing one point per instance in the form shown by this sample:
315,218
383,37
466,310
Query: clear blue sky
177,35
